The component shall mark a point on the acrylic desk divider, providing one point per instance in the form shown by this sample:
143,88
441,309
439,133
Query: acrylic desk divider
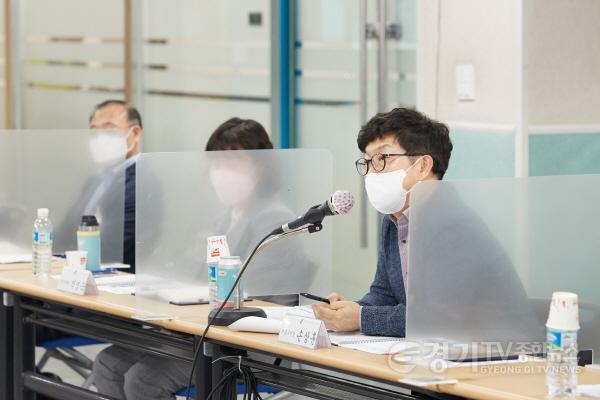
183,198
486,255
70,172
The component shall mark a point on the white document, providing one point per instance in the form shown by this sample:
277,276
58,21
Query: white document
116,280
118,289
143,316
15,258
11,253
117,284
372,344
592,391
257,324
273,322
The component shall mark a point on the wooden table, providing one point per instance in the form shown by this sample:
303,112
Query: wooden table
110,320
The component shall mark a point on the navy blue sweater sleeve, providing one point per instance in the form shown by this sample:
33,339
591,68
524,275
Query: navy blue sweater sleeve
383,320
382,312
380,293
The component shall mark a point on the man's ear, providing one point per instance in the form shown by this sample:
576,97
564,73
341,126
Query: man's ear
426,166
137,133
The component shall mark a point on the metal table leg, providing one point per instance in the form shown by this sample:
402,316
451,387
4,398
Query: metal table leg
6,346
217,367
24,351
203,378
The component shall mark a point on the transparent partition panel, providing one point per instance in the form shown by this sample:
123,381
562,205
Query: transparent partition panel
486,255
71,173
183,198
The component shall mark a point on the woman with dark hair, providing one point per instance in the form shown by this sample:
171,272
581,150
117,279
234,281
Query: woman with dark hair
245,183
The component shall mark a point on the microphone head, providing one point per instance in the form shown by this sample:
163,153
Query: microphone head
342,201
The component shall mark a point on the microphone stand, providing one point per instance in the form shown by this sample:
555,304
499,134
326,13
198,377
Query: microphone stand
222,316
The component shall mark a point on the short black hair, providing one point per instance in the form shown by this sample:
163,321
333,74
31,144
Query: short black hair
414,131
239,134
133,115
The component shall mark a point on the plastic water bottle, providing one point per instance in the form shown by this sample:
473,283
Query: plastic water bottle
561,345
561,375
43,236
216,247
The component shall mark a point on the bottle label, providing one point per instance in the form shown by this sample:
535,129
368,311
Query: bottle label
42,237
212,273
556,341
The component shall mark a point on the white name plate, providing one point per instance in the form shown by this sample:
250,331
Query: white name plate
305,332
77,281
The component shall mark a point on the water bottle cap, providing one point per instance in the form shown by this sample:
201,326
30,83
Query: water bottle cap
89,220
42,213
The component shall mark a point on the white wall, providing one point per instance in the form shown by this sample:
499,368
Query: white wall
564,61
478,32
563,54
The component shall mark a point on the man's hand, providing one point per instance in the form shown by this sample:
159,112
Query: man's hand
333,297
339,316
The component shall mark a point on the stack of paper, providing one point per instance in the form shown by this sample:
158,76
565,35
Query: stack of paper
273,322
371,344
11,253
280,312
15,258
118,284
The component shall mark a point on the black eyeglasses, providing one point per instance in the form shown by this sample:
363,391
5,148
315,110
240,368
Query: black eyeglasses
378,162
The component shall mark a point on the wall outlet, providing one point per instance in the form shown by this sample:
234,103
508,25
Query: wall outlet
465,82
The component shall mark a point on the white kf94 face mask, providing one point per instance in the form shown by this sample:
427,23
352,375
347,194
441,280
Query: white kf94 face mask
110,146
386,190
233,187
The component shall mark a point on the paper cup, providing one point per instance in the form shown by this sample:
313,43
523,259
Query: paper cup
564,312
76,259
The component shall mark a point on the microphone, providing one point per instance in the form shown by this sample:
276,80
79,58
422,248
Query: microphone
340,203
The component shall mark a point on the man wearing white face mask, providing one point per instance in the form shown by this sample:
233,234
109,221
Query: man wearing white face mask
101,192
400,147
119,116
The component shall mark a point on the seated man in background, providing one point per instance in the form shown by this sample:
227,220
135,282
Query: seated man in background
127,374
118,115
114,186
114,115
400,147
108,115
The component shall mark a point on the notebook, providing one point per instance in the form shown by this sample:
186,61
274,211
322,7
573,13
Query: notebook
371,344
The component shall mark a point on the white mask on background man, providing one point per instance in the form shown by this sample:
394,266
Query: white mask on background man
108,147
386,190
233,187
